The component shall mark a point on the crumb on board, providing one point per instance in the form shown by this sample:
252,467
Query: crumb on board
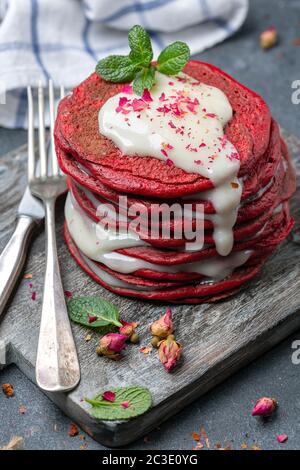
27,276
268,38
73,430
145,349
8,390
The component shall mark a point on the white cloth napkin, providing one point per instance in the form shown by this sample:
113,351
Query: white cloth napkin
63,39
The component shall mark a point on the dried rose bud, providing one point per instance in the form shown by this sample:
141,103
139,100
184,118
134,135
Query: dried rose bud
268,38
127,329
265,407
163,327
111,345
169,352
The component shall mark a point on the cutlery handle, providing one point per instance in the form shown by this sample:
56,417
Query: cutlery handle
57,366
12,258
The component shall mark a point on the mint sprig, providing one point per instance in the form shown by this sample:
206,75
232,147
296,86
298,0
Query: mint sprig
137,66
138,400
104,315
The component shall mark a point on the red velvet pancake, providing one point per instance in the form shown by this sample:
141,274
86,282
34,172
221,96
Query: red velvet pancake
203,292
99,173
280,223
161,279
77,132
271,175
275,232
195,290
280,191
259,178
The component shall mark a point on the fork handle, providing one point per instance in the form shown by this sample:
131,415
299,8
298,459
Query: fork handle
57,366
12,258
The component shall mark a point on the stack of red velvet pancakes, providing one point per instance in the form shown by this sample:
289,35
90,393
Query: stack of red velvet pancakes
108,185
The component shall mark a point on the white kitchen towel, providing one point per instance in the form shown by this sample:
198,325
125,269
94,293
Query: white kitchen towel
63,39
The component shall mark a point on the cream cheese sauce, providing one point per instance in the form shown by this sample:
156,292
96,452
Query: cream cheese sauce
99,245
91,237
182,122
109,279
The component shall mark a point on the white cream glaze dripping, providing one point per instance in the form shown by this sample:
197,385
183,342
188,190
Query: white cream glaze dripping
99,245
182,123
91,237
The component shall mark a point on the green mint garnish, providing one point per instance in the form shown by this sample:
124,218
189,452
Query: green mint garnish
137,399
141,52
116,68
173,58
94,312
137,65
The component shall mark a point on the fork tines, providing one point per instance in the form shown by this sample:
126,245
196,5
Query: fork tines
41,127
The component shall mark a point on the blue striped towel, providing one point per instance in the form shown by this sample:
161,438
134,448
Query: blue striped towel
63,39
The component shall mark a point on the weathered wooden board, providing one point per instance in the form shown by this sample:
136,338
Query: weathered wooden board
218,339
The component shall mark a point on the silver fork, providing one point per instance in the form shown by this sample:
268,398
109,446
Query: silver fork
57,366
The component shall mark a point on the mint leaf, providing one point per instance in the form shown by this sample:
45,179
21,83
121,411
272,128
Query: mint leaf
144,79
81,308
140,44
138,398
116,69
137,65
173,58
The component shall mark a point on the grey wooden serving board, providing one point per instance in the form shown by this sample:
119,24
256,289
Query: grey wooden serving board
217,339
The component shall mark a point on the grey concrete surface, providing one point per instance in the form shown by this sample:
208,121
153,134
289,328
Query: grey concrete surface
226,411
